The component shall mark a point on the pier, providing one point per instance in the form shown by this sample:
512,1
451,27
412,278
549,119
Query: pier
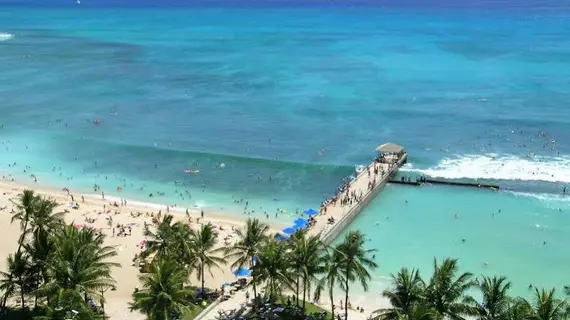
358,193
366,185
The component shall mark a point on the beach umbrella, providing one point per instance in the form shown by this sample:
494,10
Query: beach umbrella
311,212
281,238
300,222
289,230
300,227
242,272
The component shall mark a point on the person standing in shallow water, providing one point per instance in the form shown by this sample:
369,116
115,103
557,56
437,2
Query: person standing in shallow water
202,213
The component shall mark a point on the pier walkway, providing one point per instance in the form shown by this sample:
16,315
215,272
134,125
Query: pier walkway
362,189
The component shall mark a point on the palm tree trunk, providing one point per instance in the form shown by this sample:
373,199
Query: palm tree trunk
22,237
297,290
346,300
20,243
254,287
304,292
331,295
4,300
203,280
103,304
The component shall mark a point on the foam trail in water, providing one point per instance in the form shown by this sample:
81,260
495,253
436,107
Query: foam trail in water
157,206
6,36
547,198
500,167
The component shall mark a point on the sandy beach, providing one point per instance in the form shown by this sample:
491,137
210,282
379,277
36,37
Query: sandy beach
126,276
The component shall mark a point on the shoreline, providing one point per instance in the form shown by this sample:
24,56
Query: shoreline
60,194
222,204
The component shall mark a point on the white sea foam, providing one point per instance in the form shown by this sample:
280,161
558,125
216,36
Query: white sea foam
547,198
5,36
500,167
157,206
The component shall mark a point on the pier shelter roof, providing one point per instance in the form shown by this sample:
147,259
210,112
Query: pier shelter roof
390,148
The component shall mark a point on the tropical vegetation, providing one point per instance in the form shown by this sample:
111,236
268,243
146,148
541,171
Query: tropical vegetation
455,295
61,272
57,268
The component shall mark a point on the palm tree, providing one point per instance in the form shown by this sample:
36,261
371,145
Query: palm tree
419,311
405,295
545,306
273,268
39,250
332,275
354,263
296,260
42,223
446,292
25,207
245,250
307,260
163,294
79,265
67,305
517,309
203,248
19,277
43,219
162,242
495,303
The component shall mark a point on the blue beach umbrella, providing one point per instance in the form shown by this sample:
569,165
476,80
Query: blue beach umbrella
300,222
300,227
311,212
242,272
289,230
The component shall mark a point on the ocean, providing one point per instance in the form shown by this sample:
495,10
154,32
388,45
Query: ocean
276,106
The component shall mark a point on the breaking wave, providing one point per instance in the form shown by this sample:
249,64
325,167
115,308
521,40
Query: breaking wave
5,36
499,167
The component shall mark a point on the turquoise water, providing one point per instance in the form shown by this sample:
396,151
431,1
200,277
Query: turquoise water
526,241
277,106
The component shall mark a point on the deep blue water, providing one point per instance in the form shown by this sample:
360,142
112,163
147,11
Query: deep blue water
277,105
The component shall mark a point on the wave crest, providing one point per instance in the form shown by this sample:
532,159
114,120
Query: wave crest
6,36
500,167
